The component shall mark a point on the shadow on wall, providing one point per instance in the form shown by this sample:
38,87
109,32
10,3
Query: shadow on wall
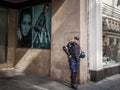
57,4
59,61
19,54
34,60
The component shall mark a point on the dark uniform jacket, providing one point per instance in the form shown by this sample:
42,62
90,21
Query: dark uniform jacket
74,50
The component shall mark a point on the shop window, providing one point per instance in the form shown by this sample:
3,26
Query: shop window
111,44
3,34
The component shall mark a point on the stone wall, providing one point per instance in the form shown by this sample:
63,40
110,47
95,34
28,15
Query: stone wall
34,60
65,25
12,25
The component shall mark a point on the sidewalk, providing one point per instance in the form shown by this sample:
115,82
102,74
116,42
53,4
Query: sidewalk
11,79
110,83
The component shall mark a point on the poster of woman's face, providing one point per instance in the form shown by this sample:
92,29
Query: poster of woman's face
34,27
24,32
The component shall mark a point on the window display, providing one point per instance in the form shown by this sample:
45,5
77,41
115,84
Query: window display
111,42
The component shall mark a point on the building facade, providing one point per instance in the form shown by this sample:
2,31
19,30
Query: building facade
92,20
104,25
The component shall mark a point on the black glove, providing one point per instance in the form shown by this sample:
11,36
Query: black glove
66,50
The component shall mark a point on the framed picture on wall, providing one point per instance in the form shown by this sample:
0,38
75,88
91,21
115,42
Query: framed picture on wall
34,27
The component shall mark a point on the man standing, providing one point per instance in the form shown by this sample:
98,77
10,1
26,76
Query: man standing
73,51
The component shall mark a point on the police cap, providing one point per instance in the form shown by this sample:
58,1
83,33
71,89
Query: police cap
77,38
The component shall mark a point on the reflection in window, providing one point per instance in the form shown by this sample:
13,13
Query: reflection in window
111,42
111,51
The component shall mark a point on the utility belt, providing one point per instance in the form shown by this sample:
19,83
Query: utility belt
75,57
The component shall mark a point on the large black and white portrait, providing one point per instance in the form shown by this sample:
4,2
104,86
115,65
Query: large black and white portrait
34,27
24,32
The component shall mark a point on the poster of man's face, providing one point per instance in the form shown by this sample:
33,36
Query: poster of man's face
34,27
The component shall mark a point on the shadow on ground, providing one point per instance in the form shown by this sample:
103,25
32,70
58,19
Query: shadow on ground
18,80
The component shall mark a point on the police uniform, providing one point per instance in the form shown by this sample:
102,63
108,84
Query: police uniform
73,52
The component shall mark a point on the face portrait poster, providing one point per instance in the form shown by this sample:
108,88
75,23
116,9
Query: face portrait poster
34,27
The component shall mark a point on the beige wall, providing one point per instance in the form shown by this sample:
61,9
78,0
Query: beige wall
34,60
65,25
11,36
84,72
69,18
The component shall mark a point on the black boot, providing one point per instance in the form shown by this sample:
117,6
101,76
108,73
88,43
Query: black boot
73,80
74,86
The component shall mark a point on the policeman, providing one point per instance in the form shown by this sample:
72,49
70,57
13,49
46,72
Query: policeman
73,51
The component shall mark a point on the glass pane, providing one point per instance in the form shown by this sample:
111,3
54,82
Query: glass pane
3,29
111,41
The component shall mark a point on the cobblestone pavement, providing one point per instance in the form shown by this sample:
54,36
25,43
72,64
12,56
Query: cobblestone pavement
12,79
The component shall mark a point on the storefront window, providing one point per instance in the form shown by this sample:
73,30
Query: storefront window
111,42
3,34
